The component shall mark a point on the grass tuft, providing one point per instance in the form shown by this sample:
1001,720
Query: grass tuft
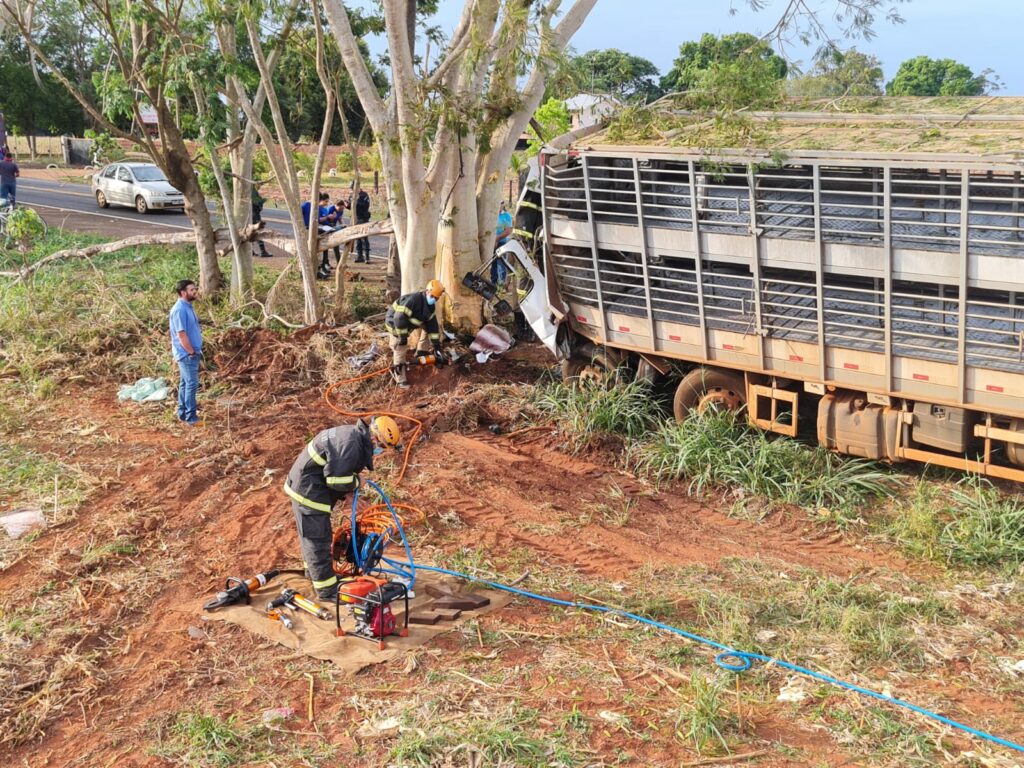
975,524
717,450
588,411
703,719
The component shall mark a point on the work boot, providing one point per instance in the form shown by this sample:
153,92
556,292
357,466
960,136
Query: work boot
328,595
398,373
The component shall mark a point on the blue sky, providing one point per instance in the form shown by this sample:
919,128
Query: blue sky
984,34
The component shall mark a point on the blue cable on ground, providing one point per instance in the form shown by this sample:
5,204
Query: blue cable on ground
405,571
728,658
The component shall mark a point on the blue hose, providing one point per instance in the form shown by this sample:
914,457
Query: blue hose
405,571
728,658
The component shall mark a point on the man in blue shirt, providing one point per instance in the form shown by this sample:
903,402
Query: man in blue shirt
187,347
327,220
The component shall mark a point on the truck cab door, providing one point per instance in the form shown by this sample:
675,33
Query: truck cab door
531,288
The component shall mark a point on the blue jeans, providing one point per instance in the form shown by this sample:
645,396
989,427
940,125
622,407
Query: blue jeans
189,367
7,190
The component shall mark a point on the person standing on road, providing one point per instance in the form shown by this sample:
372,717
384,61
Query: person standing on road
362,214
9,173
187,348
324,473
258,201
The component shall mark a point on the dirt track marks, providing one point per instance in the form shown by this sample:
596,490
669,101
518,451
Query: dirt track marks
602,522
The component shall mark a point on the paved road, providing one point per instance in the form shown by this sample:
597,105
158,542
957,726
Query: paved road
52,198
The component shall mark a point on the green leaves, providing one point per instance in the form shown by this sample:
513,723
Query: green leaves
924,76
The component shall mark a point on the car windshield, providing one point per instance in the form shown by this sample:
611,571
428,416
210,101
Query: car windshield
148,173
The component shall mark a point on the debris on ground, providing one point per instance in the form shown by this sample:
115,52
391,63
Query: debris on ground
358,362
491,340
20,521
793,691
145,390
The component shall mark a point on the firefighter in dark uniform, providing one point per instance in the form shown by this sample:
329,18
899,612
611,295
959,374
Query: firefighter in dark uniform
413,312
528,220
324,473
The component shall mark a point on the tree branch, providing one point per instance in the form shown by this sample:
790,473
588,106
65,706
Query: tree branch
358,72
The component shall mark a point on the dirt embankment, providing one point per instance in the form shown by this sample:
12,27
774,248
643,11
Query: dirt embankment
123,648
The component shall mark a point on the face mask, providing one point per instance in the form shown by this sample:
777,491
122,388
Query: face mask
377,451
431,300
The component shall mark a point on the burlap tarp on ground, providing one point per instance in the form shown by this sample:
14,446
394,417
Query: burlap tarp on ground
316,638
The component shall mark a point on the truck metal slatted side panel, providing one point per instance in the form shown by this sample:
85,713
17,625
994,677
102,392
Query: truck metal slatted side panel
922,214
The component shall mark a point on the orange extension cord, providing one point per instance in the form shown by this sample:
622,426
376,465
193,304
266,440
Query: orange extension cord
376,518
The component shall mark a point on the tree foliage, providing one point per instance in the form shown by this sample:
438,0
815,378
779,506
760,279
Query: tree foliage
837,74
924,76
554,119
30,106
721,60
619,74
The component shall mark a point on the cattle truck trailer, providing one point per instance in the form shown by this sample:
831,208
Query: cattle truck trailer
863,269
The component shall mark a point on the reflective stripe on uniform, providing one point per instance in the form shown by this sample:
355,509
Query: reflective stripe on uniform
397,331
329,582
522,233
414,321
314,455
341,479
306,502
399,308
434,336
528,204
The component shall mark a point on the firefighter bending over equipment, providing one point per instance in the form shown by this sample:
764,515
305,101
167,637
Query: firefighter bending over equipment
412,312
324,473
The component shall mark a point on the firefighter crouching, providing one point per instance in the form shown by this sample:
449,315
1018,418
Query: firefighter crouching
324,473
413,312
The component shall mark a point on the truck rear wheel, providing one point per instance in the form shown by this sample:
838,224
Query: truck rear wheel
596,369
704,388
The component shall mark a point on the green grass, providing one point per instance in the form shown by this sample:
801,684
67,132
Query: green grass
715,450
586,411
96,554
108,313
703,718
511,737
973,524
207,741
859,623
879,732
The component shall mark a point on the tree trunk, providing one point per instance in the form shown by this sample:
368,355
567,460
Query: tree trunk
177,165
420,252
211,279
393,282
459,244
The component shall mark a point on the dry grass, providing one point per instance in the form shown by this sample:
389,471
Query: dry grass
92,594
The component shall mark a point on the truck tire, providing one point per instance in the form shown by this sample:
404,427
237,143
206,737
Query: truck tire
704,388
595,369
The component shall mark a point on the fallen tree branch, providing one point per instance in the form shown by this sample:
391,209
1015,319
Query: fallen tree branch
173,238
325,242
223,243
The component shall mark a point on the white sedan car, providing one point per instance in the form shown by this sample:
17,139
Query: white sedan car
139,185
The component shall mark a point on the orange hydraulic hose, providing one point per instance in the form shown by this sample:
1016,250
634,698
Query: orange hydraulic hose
357,414
376,518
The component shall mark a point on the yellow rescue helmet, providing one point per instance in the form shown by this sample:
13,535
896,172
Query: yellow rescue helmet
435,289
385,431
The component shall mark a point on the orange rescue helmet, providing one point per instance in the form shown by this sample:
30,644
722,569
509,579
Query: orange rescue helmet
385,431
435,289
